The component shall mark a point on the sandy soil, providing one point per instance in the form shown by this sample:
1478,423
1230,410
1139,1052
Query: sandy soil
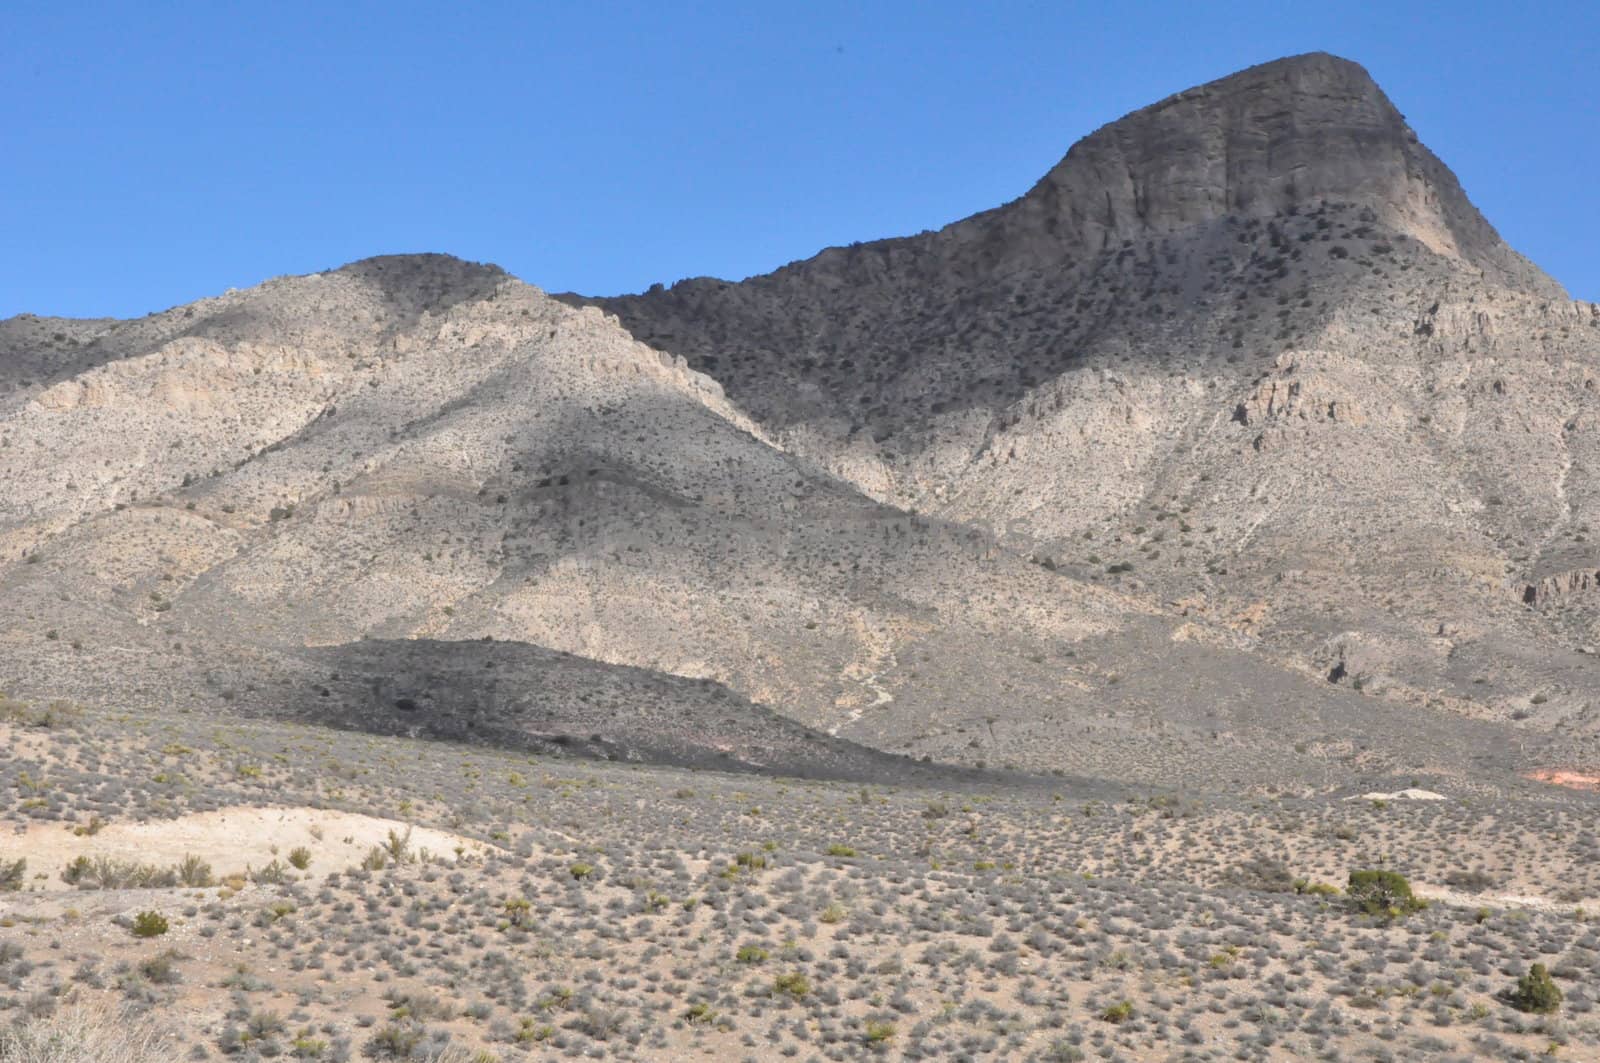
1576,780
230,840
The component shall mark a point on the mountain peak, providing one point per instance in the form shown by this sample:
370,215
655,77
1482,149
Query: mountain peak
1270,139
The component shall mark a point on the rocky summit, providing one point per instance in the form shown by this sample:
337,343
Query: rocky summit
1236,471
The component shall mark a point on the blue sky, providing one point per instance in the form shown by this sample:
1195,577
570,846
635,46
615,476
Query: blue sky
154,153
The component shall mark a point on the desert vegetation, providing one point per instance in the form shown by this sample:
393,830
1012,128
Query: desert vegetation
609,911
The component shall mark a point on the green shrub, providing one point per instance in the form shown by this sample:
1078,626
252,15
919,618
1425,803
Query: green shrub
162,968
1118,1013
581,871
837,849
751,954
1385,894
12,874
1536,992
106,873
193,871
300,857
879,1032
398,846
394,1041
149,925
794,983
274,874
1309,888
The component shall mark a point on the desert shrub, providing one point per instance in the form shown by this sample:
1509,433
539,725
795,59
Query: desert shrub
837,849
398,846
1385,894
424,1007
149,925
581,871
12,874
394,1041
879,1032
106,873
531,1031
162,968
82,1033
1262,873
794,984
1118,1013
751,954
1315,889
193,871
300,857
1470,881
273,874
1535,991
519,912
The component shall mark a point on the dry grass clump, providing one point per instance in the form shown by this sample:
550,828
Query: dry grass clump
85,1034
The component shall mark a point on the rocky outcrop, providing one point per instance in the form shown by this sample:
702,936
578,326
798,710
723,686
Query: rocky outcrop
1274,139
1544,591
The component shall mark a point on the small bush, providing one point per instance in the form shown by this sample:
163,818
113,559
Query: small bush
794,984
1385,894
149,925
274,874
162,968
879,1032
12,874
1118,1013
394,1042
398,846
80,1033
193,871
105,873
300,857
1536,992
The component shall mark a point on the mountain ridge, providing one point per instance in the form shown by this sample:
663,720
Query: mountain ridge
999,494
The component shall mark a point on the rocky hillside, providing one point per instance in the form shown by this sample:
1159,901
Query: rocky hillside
1250,352
1227,454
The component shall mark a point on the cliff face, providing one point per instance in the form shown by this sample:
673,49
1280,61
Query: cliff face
1271,140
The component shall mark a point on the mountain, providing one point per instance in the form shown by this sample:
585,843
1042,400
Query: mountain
1253,341
1239,452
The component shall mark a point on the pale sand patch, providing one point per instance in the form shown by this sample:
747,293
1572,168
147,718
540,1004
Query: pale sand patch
1457,899
1411,794
229,840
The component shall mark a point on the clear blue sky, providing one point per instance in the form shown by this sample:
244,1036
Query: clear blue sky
152,153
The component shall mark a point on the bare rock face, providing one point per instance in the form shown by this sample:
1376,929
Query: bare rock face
1271,140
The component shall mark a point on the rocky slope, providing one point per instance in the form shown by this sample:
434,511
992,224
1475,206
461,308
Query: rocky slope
1250,350
1227,454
